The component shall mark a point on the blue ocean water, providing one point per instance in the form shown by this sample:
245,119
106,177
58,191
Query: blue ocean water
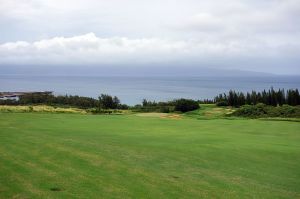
132,90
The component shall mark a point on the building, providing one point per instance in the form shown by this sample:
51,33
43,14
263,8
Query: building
16,95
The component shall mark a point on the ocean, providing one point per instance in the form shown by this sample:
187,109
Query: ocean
132,90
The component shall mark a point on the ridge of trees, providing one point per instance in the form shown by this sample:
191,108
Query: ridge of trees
271,97
181,105
103,102
262,111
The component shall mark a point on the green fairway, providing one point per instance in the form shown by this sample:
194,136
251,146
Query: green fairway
127,156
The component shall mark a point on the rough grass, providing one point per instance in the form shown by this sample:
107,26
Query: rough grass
54,109
210,111
126,156
40,108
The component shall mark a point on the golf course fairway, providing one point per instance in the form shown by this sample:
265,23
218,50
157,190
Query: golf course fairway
127,156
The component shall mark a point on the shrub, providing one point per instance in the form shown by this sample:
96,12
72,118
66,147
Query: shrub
30,109
185,105
222,103
164,109
262,110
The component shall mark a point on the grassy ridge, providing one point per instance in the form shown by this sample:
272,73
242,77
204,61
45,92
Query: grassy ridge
92,156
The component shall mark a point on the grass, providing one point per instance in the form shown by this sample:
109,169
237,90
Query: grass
40,108
127,156
54,109
210,111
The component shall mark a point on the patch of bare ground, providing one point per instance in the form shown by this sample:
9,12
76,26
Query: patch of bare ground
172,116
152,114
160,115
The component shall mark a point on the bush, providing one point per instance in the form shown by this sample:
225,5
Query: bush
123,107
222,103
104,111
185,105
30,109
164,109
182,105
108,102
262,110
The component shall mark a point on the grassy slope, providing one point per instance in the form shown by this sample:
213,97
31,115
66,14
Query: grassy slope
91,156
210,111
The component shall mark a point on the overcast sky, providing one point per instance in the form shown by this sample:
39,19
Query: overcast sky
252,35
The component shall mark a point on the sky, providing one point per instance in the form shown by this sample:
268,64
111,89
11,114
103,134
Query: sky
116,35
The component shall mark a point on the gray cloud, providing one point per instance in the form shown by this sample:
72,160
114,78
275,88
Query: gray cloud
238,34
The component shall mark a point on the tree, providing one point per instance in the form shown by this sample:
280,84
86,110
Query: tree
185,105
108,102
248,98
116,102
270,97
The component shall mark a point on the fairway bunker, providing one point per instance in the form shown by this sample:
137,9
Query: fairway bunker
151,114
172,116
160,115
56,189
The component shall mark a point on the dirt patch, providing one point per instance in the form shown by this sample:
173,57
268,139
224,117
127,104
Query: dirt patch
218,109
160,115
172,116
208,114
152,114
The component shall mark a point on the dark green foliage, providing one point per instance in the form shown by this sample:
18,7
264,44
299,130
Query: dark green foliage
262,110
9,102
108,102
185,105
233,98
152,106
30,109
165,109
270,97
182,105
293,97
104,111
50,99
206,101
123,106
105,101
222,103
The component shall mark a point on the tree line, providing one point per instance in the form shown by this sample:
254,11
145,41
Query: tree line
271,97
103,102
261,110
180,105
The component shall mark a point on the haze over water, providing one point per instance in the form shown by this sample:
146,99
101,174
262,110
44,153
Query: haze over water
132,90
